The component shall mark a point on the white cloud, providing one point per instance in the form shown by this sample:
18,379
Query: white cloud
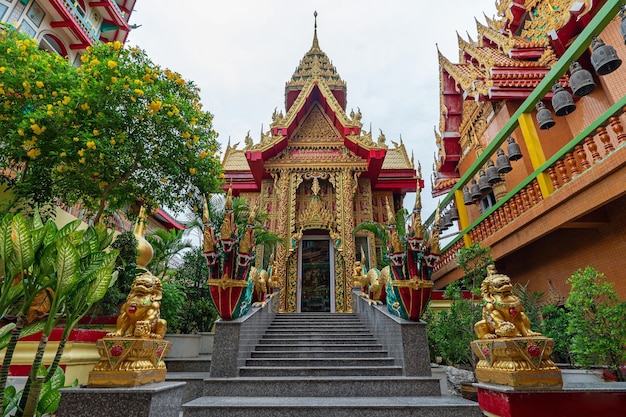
241,52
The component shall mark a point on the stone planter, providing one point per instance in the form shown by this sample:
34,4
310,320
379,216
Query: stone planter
581,376
206,344
184,345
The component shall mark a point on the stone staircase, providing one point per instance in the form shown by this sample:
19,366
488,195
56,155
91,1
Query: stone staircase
314,364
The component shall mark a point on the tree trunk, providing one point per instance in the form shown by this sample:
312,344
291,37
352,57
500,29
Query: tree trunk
8,355
32,377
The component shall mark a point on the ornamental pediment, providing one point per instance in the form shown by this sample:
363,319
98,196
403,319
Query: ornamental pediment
306,157
316,127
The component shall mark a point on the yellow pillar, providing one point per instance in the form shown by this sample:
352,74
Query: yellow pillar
535,151
463,216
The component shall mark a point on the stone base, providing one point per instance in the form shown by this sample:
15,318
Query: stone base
519,362
596,400
112,379
162,399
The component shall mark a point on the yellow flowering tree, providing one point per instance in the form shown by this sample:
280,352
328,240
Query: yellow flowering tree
142,135
32,82
123,130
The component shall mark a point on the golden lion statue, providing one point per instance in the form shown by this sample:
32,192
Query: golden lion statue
503,314
140,314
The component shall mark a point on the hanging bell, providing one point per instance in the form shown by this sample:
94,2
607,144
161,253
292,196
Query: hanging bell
513,149
467,197
475,190
580,80
562,101
544,116
502,162
493,177
454,214
483,184
447,221
603,57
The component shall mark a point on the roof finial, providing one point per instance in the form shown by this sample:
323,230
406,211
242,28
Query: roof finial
315,42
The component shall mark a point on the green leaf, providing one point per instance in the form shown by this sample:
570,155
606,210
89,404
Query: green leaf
69,228
5,237
51,233
11,398
66,265
105,237
5,335
32,329
58,379
99,285
22,243
48,401
37,222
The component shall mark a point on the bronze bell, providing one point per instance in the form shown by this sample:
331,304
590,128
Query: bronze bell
446,222
493,177
454,213
513,149
544,116
603,57
562,101
483,184
580,80
467,197
475,190
502,162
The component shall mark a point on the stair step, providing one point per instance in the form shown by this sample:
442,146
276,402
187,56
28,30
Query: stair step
318,362
263,371
334,406
323,386
320,354
320,339
316,346
348,331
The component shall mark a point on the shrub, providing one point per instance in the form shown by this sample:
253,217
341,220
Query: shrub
596,322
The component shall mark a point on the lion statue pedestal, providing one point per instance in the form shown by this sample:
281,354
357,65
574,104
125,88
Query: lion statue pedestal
133,354
509,352
519,362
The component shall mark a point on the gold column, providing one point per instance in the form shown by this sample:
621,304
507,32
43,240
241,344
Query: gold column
281,183
348,189
537,157
463,217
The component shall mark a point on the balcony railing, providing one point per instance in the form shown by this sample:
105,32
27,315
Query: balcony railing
83,23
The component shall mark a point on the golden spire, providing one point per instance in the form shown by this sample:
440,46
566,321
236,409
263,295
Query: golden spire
316,44
315,63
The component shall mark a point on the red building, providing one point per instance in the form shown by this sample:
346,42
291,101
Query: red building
544,191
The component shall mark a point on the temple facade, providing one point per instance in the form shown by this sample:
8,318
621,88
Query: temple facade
531,156
317,174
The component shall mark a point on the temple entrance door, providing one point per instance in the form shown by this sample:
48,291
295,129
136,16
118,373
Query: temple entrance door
316,274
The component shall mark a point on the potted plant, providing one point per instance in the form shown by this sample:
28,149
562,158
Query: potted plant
596,323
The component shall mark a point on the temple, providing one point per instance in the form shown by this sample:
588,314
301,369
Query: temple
530,158
318,174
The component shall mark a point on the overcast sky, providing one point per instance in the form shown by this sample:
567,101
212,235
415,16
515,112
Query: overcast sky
242,52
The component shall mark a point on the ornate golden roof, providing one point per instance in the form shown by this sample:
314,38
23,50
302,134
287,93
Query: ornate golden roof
235,160
315,63
397,157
